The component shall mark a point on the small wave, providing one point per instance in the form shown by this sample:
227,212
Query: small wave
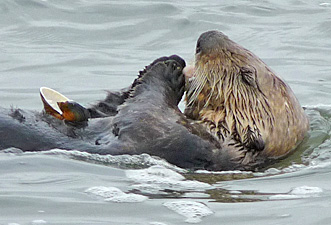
317,106
12,150
37,222
120,161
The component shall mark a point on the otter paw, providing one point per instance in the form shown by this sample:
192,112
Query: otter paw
176,58
174,74
253,140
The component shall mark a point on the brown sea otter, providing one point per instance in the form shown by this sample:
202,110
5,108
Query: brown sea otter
241,101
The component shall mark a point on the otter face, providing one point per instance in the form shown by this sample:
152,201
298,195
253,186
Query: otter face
212,62
221,68
224,93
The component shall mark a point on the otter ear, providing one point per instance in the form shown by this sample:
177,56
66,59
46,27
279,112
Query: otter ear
248,76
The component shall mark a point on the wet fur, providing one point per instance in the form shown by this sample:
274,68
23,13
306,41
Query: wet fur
237,97
147,120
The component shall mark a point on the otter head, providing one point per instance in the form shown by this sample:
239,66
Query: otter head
224,91
220,66
237,96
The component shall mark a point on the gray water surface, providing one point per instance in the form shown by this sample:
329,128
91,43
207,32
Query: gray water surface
82,48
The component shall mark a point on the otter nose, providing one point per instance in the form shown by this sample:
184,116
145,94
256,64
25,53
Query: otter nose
210,41
188,71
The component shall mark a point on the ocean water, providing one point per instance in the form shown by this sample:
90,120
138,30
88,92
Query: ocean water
82,48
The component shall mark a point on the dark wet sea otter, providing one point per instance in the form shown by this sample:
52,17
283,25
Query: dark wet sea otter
241,101
239,114
147,120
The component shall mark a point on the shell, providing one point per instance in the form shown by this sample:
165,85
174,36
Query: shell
50,99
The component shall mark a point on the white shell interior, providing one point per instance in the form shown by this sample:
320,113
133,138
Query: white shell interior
52,97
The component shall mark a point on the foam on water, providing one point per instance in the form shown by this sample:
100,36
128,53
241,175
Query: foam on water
36,222
193,211
325,4
294,168
157,178
268,172
299,192
156,223
306,190
114,194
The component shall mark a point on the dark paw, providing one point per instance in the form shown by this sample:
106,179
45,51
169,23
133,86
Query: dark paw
176,58
256,144
166,72
175,77
253,140
173,71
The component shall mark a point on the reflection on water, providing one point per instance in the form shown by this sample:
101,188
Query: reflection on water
82,48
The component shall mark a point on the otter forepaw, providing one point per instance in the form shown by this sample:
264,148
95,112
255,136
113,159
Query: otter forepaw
176,58
174,74
253,140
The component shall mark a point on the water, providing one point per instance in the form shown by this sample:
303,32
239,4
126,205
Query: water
82,48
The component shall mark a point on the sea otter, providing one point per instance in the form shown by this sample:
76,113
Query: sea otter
239,114
147,120
241,101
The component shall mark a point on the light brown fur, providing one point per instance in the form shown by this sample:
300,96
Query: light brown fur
238,97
